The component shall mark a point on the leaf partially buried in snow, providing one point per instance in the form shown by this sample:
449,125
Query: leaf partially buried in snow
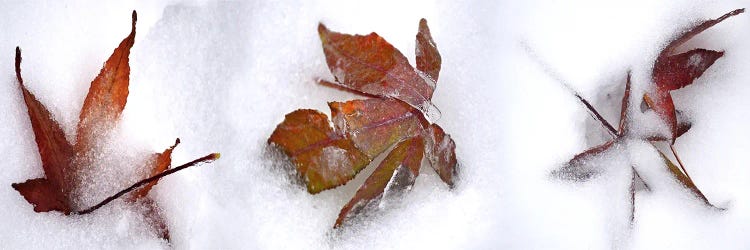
394,114
102,107
441,152
49,193
107,95
672,72
322,158
371,65
395,173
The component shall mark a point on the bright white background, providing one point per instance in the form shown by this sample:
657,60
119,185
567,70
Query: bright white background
221,76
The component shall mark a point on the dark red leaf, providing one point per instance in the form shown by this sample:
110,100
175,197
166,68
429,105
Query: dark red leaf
371,65
395,173
428,57
441,152
680,70
43,194
694,31
676,71
375,124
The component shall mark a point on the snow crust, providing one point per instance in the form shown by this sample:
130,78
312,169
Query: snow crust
221,76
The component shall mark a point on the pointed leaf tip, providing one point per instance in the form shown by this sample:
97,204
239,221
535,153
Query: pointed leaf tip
369,64
44,195
428,57
107,96
18,65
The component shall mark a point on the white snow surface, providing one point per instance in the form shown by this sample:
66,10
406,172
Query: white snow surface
222,75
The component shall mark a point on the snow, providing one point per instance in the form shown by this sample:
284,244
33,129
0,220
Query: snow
221,76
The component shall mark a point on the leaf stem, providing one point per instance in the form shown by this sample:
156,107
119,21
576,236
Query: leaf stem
682,166
632,195
204,159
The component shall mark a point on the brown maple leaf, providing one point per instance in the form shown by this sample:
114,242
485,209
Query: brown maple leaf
395,114
102,107
670,72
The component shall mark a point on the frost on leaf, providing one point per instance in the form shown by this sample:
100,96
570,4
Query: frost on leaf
371,65
393,114
375,124
322,158
102,107
441,153
407,156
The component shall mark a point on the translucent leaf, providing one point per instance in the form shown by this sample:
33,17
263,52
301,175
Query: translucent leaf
395,173
322,158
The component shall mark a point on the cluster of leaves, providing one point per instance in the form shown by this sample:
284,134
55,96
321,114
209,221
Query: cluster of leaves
670,72
396,112
102,107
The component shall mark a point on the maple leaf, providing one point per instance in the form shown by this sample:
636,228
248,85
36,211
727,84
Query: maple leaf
395,114
670,72
673,72
102,107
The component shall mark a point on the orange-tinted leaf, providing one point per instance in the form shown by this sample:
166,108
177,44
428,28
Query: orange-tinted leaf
428,57
107,95
395,173
54,149
371,65
441,152
680,70
43,194
323,158
159,163
375,124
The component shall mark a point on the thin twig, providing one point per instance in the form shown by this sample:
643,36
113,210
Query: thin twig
642,180
204,159
632,195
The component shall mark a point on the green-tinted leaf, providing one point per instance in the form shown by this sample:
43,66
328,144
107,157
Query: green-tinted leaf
684,179
323,158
